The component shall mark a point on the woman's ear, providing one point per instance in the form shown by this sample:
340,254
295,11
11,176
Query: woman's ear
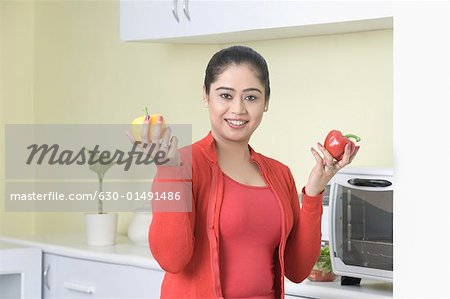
205,97
266,105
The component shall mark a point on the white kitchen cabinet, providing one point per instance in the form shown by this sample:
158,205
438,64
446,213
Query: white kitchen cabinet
200,21
73,278
20,272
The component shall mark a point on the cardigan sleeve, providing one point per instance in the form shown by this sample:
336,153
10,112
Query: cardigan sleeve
171,233
303,244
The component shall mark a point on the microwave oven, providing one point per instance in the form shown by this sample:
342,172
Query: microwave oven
361,223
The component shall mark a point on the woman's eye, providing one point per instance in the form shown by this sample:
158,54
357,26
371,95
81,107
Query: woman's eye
226,96
250,98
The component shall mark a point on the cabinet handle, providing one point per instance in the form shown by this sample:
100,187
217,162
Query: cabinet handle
186,9
79,288
175,10
349,220
47,285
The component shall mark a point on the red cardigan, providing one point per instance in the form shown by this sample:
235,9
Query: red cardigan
186,244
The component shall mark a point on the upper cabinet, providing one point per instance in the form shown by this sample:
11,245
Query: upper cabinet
200,21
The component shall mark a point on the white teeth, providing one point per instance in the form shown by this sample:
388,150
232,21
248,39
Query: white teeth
236,122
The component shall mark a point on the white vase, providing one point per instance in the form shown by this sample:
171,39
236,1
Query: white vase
139,226
101,229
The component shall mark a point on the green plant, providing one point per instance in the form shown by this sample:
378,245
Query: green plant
100,169
323,263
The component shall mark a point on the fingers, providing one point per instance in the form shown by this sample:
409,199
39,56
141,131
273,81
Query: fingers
151,129
354,154
317,156
173,149
130,136
145,129
331,166
146,143
156,130
321,165
165,143
346,157
328,158
168,145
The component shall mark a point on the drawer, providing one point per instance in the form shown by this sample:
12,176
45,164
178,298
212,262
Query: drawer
67,277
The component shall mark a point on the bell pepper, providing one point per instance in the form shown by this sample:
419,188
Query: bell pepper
335,143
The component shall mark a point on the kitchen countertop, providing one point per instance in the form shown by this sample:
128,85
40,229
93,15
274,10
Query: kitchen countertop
4,245
369,289
127,253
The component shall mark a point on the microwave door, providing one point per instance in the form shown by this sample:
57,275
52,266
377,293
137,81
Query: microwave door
381,202
363,225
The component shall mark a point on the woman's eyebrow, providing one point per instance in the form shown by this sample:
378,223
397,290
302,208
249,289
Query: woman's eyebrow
245,90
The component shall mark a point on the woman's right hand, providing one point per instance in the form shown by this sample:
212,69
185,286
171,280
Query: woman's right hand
168,144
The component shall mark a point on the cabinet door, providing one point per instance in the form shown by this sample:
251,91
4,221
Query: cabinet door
20,273
219,17
77,278
152,20
225,20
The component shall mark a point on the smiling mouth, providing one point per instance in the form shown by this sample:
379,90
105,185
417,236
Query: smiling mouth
236,123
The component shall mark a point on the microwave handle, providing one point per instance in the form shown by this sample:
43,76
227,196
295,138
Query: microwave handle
369,182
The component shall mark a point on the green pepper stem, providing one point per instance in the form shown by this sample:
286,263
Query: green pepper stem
353,136
145,110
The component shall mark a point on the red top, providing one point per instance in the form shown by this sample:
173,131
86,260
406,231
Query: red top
186,244
250,231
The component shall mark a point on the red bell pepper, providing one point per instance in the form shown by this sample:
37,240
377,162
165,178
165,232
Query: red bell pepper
335,143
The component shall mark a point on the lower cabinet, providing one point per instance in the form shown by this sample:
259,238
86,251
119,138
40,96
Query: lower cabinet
74,278
67,277
20,269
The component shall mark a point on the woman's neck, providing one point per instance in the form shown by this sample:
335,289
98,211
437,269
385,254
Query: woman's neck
231,151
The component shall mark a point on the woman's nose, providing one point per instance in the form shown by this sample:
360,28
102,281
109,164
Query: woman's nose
238,106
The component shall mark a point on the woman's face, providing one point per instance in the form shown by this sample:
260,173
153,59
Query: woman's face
236,103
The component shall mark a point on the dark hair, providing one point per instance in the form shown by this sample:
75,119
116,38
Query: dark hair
237,55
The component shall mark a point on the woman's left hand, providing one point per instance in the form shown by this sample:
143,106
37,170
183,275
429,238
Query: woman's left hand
326,168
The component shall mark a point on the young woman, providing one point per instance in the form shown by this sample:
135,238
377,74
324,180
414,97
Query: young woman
245,230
